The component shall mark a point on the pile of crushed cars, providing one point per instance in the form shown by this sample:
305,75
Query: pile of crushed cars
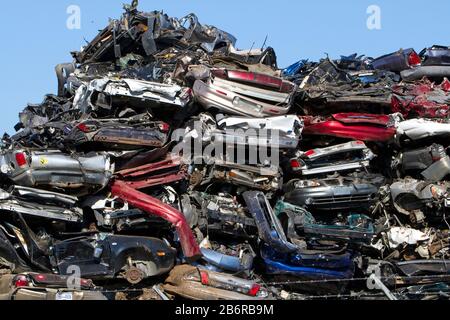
101,199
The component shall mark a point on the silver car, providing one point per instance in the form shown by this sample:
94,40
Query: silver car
45,287
245,93
343,157
41,204
54,169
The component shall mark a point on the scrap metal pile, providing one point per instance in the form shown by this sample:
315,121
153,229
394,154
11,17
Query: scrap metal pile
171,165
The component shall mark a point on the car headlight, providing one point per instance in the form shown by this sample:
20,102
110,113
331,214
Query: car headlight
437,192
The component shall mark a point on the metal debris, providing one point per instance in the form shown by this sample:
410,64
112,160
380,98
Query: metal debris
171,164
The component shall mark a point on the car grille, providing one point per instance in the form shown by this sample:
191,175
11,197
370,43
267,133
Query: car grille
345,199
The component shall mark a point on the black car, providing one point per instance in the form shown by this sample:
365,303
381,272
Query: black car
356,191
105,256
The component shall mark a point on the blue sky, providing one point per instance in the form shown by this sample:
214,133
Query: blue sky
35,37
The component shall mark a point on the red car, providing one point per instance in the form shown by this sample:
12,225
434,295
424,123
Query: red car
355,126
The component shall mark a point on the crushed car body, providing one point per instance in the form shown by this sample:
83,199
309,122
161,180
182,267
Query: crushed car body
355,191
343,157
244,93
54,169
173,165
364,127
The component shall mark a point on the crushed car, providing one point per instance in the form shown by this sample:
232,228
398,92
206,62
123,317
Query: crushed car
354,191
172,165
245,93
56,170
349,156
46,287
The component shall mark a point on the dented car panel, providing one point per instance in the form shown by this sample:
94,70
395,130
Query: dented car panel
198,284
45,287
42,204
270,229
228,263
154,135
343,157
436,55
413,196
397,61
282,132
438,171
423,98
418,129
274,132
155,207
289,125
364,127
143,90
340,193
136,93
432,162
430,72
108,256
283,257
55,169
167,171
356,228
276,268
245,93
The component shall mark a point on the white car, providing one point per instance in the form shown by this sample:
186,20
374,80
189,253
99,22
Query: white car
245,93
